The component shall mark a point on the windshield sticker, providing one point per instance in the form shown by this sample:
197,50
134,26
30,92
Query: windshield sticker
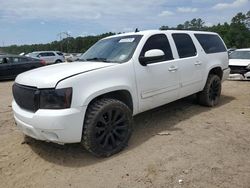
127,40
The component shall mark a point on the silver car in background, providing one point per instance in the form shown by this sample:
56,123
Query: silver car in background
49,57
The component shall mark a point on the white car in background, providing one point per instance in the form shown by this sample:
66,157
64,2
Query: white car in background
49,57
239,62
73,57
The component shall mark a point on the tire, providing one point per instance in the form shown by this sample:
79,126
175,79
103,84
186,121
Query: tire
210,95
58,61
107,127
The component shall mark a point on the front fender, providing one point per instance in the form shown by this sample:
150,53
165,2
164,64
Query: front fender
92,84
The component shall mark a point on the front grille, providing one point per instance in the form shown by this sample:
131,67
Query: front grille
238,69
26,97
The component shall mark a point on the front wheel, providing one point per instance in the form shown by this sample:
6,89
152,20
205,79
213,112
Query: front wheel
107,127
210,95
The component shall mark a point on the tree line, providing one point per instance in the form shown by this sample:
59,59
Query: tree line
235,34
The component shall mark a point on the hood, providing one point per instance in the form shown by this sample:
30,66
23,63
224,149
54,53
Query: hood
239,62
49,76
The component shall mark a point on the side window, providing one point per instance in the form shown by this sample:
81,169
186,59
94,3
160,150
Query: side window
3,60
50,54
23,59
15,60
42,54
184,45
211,43
159,41
59,53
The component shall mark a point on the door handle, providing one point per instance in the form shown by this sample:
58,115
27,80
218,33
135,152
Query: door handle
197,63
172,69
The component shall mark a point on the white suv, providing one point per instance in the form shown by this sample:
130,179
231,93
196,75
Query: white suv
49,57
92,101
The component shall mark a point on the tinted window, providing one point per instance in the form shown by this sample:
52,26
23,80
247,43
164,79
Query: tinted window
46,54
3,60
210,43
160,42
184,45
50,54
43,54
59,53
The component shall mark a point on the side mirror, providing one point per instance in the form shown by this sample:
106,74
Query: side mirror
152,56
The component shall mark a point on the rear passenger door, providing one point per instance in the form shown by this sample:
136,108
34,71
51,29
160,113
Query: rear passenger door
18,65
157,82
190,64
49,57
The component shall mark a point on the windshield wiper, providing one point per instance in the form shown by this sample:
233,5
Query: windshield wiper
98,59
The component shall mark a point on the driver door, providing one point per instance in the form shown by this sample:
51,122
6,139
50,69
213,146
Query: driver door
157,82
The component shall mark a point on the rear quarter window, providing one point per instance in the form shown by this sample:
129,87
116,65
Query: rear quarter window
59,53
211,43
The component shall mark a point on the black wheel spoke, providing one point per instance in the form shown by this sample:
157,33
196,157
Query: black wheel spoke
101,137
115,115
109,115
118,135
106,141
112,139
102,120
120,120
100,129
123,127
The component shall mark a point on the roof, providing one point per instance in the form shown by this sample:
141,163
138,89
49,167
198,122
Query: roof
149,32
44,51
9,55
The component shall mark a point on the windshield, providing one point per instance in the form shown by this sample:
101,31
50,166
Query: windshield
240,55
116,49
32,54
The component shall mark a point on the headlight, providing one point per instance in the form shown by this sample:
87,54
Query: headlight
248,66
55,98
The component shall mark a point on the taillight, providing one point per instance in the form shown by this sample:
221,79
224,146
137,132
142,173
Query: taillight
43,62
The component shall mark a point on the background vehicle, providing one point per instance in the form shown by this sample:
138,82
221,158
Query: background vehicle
230,50
93,101
12,65
49,57
73,57
239,62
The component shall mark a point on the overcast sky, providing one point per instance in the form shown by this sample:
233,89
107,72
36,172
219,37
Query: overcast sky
39,21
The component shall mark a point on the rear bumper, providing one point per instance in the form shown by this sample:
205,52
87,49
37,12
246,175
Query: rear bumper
59,126
226,73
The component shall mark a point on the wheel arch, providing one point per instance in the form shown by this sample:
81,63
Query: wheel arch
217,70
58,60
122,95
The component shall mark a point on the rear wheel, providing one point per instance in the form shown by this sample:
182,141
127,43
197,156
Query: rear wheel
107,127
210,95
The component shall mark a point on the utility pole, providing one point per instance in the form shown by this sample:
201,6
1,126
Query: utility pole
61,37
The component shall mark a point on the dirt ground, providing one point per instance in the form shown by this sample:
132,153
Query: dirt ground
180,144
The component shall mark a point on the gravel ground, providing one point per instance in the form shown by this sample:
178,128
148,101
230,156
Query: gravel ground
180,144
